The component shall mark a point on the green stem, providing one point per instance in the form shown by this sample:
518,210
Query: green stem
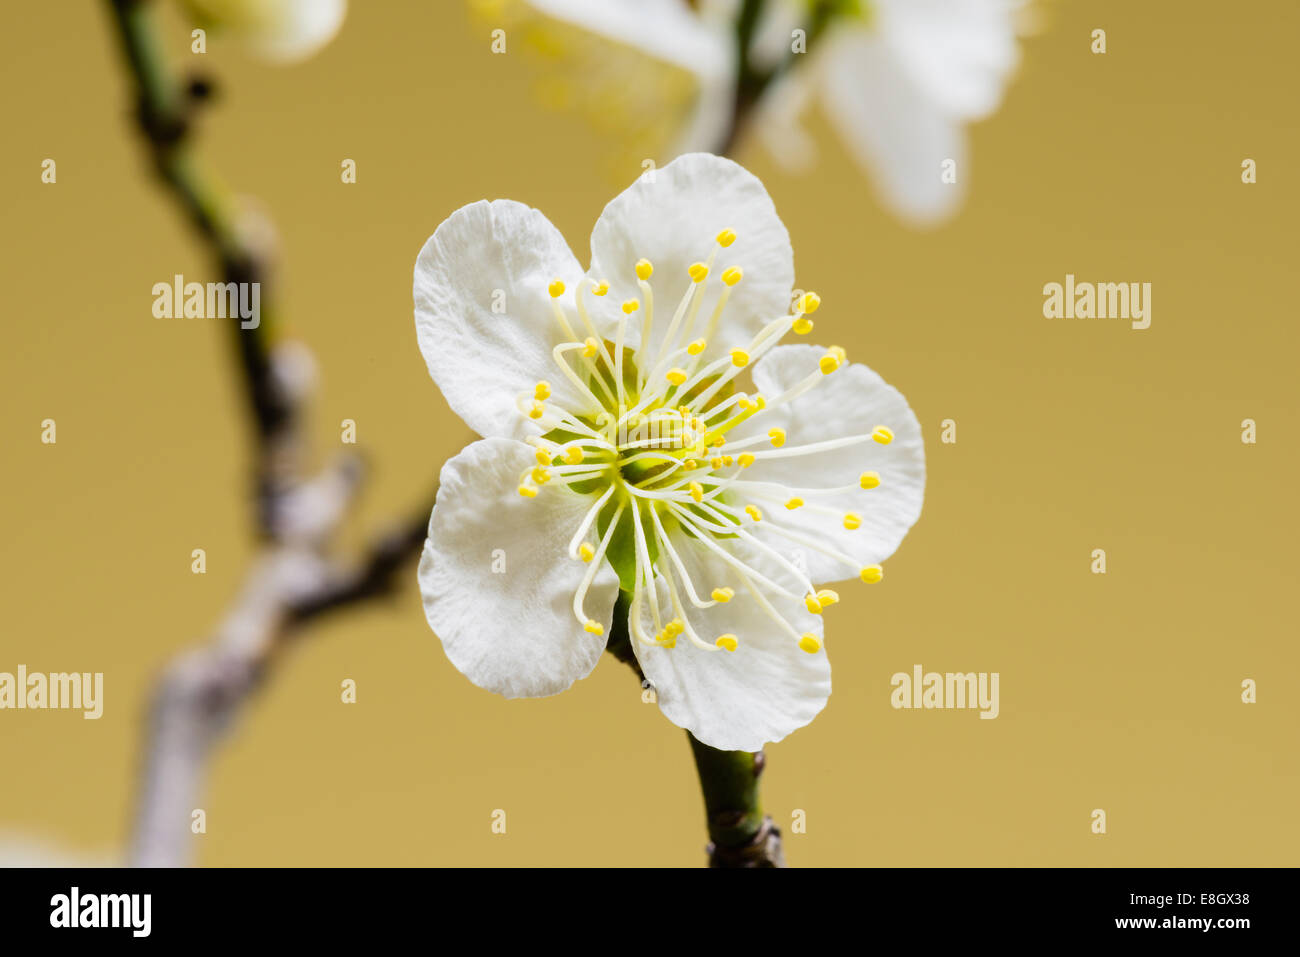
740,834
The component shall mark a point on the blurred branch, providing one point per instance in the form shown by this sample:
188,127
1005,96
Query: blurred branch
753,83
294,579
740,835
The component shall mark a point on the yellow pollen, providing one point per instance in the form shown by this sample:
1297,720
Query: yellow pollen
839,353
813,605
586,552
543,457
810,303
696,347
676,376
739,358
631,306
689,464
872,574
727,641
697,491
794,503
719,442
727,461
760,402
726,237
527,491
591,347
643,269
542,390
732,275
698,271
556,289
540,475
593,627
600,288
802,326
810,644
882,434
869,480
753,512
827,597
829,363
723,595
852,520
573,454
745,460
536,411
777,436
716,462
665,640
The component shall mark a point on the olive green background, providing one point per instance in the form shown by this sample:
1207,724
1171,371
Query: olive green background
1119,692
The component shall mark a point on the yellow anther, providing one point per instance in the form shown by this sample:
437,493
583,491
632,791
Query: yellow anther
802,326
665,640
696,347
675,627
732,275
698,271
812,603
828,363
827,597
872,574
727,461
643,269
760,402
573,455
719,442
882,434
810,644
727,642
869,480
726,237
631,306
593,627
753,512
536,411
745,404
676,376
600,288
852,520
540,475
697,491
716,462
745,460
839,353
689,464
723,594
590,347
586,552
527,491
543,457
810,303
794,503
556,289
739,358
777,436
542,391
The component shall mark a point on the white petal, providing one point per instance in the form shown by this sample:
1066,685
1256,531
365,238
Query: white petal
959,53
485,257
672,218
897,133
511,631
277,30
741,700
850,401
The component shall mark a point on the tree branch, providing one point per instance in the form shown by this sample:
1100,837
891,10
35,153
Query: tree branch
294,579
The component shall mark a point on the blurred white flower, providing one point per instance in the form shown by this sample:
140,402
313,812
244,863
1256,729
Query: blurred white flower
899,79
644,430
277,30
19,849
